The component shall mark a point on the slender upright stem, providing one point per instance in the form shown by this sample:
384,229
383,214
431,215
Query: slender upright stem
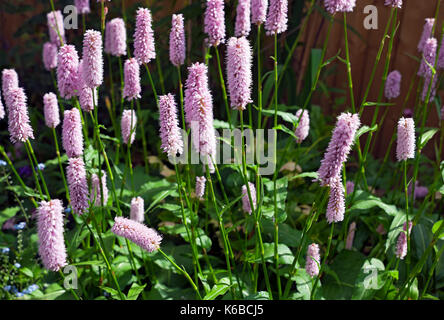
222,85
349,75
407,257
60,163
142,133
259,77
151,82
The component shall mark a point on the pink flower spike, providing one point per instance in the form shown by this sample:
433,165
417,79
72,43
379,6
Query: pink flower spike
243,24
146,238
339,147
82,6
277,17
137,211
19,127
55,22
52,248
401,245
394,3
85,93
115,37
51,110
72,137
170,135
429,56
144,49
77,185
246,206
258,11
200,187
128,124
393,85
333,6
239,58
336,202
214,22
131,89
96,193
350,187
9,81
177,40
49,56
67,71
313,260
92,58
303,127
426,33
405,148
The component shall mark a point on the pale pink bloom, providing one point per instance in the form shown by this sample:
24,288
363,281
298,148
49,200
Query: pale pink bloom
137,209
277,17
405,148
55,22
408,113
200,186
92,66
20,129
258,11
170,135
303,127
243,24
131,89
51,110
401,245
96,193
394,3
393,85
177,40
313,260
333,6
49,56
72,137
52,248
336,202
350,236
115,37
77,185
146,238
246,206
420,191
128,126
67,71
144,49
426,33
82,6
9,81
239,59
214,21
350,187
429,55
85,93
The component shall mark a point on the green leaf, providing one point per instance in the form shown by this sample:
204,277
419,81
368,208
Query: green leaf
113,292
286,116
286,130
8,213
372,104
135,291
285,254
26,272
365,129
217,290
219,124
89,263
371,201
313,175
426,136
435,228
260,295
369,280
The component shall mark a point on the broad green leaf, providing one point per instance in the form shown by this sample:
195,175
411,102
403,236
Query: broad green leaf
369,280
8,213
365,129
313,175
135,291
426,136
372,201
260,295
435,228
217,290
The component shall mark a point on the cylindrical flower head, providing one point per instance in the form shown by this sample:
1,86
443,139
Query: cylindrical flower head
215,22
55,22
77,185
394,3
336,202
426,33
338,148
20,129
303,127
82,6
200,186
277,17
429,55
333,6
115,37
393,85
246,206
49,56
146,238
92,58
137,209
96,193
52,248
425,89
2,108
177,40
401,245
72,137
127,125
405,148
51,110
131,89
350,187
144,49
170,136
9,81
199,112
239,59
313,260
258,11
85,93
67,71
243,25
350,236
